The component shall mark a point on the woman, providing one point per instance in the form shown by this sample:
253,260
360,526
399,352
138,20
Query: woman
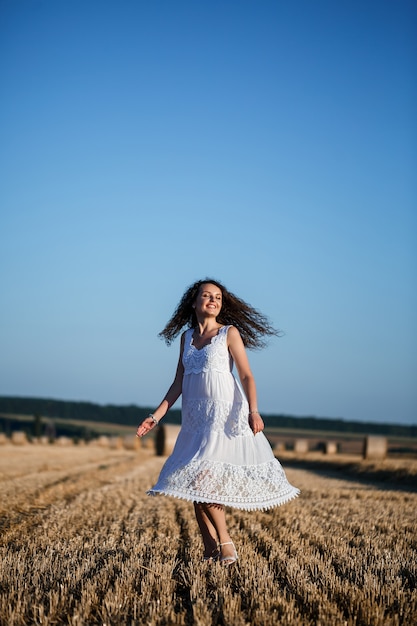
221,457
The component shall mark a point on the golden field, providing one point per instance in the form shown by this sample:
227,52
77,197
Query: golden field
82,544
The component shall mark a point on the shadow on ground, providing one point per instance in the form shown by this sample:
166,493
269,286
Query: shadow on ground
402,478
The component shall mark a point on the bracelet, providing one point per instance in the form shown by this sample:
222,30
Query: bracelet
254,411
153,418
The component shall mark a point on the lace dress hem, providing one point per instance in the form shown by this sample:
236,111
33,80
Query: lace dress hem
259,486
245,506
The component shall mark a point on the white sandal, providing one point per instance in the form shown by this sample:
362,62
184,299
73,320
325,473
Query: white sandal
228,560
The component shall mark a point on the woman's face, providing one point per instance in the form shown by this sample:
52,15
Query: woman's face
209,300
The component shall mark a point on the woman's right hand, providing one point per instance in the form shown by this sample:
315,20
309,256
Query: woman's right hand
145,427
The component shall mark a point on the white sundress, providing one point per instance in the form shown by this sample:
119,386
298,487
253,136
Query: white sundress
217,458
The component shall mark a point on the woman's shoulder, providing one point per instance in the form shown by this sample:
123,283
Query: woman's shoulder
186,334
231,332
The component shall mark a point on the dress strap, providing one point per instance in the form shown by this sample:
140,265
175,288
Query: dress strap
224,329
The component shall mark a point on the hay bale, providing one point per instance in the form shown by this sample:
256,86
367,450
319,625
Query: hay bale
63,442
301,446
330,447
3,439
159,440
19,438
116,443
375,447
278,447
103,441
131,442
165,438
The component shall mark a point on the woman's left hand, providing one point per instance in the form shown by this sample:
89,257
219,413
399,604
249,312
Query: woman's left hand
256,423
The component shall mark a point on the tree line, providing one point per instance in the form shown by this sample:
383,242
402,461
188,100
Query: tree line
131,415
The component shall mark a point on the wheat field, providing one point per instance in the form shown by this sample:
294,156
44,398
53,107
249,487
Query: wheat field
82,544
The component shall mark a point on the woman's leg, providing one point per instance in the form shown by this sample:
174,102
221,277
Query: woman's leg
211,519
207,529
217,514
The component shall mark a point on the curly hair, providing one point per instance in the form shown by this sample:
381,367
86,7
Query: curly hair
252,325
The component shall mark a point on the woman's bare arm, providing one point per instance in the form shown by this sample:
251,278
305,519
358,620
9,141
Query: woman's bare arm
240,358
170,398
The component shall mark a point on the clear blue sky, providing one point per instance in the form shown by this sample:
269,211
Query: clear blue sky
269,144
